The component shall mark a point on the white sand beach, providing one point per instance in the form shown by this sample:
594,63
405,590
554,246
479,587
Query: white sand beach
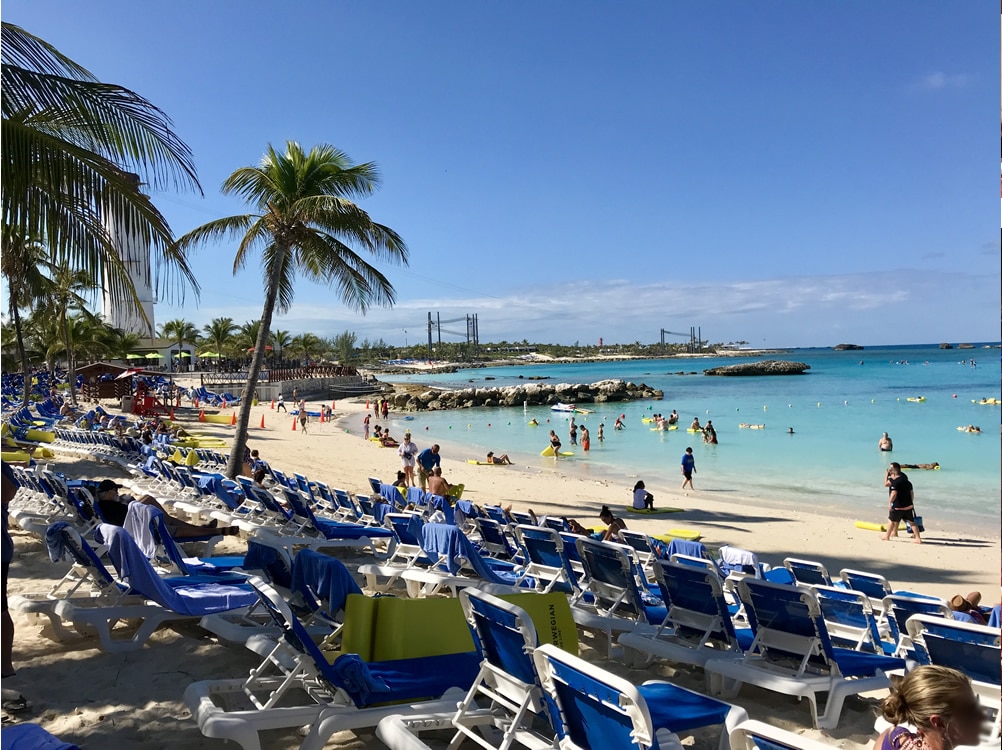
134,701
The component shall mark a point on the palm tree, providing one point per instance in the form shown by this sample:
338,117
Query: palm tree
280,340
307,345
218,334
180,332
120,344
21,263
305,223
247,335
76,149
64,295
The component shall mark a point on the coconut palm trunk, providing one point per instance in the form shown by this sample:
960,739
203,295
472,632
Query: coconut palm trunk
236,461
22,355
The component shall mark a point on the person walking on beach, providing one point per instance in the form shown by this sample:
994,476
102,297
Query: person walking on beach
688,468
900,503
386,408
365,426
280,406
303,419
585,439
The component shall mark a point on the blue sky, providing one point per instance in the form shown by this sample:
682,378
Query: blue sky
786,173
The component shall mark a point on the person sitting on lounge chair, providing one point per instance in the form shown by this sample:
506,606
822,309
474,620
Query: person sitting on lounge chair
493,459
114,507
613,525
437,484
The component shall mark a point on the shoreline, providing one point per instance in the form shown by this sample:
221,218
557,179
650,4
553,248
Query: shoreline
609,476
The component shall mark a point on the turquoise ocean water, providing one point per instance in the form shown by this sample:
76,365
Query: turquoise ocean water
838,411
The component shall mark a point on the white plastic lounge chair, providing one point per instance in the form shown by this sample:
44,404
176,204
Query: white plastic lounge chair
754,735
345,694
792,653
591,708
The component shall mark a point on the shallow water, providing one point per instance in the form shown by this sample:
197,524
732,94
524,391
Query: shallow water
838,410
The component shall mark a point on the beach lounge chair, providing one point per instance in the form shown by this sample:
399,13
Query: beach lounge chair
899,609
973,649
545,564
452,552
159,600
298,683
592,709
873,585
504,706
334,533
610,600
755,735
405,552
808,572
698,625
494,539
792,653
851,621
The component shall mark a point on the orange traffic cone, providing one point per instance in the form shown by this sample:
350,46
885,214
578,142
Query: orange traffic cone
224,403
321,414
366,403
262,421
233,419
272,406
293,424
201,416
333,405
196,402
172,413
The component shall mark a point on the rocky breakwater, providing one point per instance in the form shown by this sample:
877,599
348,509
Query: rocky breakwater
765,367
532,394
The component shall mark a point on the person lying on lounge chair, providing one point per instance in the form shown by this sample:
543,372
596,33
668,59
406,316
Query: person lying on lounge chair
114,507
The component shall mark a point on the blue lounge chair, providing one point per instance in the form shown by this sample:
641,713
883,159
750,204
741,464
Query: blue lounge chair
163,599
346,694
504,707
792,653
973,649
851,621
698,625
610,599
899,609
808,572
592,709
545,564
494,539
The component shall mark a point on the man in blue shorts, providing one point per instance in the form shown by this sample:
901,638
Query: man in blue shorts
688,468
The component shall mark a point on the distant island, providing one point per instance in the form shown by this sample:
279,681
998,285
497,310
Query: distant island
848,348
765,367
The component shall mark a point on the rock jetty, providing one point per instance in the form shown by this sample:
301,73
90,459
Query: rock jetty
533,394
765,367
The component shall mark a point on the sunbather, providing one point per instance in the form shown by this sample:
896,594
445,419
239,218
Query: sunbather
114,507
613,525
494,459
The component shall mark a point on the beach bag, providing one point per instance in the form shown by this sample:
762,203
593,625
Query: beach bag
918,525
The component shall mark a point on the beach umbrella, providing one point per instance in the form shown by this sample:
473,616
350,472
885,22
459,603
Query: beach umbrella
267,348
183,354
209,355
133,356
154,355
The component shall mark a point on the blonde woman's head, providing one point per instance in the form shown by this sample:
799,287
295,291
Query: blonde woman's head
935,698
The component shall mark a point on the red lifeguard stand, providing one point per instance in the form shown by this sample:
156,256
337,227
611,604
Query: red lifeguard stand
146,402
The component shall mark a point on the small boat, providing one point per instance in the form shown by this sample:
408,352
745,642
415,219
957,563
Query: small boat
562,407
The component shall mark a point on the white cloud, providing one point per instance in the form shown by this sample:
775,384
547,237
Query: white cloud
939,80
